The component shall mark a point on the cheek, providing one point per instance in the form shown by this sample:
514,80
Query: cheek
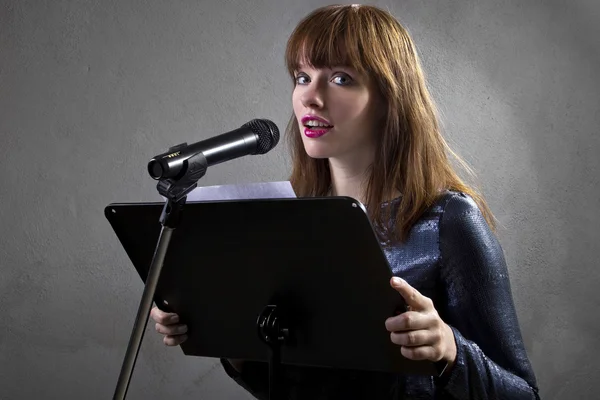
356,111
296,102
350,104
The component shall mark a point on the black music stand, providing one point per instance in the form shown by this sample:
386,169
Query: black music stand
287,273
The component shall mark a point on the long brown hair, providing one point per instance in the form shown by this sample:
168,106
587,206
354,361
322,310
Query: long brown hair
412,155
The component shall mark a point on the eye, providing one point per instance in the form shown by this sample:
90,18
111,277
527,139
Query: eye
301,79
342,79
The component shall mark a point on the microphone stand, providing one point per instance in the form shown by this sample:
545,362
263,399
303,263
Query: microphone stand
175,190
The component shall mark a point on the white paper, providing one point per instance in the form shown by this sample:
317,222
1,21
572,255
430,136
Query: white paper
260,190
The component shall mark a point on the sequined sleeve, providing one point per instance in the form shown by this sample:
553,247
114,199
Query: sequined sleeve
477,303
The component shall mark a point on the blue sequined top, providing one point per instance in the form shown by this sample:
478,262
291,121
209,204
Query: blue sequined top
453,258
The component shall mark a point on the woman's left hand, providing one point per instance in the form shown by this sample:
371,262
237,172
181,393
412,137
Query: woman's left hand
420,331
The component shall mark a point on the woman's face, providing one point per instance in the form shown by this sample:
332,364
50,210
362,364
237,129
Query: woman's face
337,112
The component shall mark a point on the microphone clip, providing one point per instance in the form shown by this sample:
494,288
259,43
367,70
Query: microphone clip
192,170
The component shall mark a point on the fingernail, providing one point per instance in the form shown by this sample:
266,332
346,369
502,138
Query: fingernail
175,319
397,281
183,329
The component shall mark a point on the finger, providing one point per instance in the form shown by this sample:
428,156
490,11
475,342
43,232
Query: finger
411,296
162,317
171,330
421,337
421,353
409,321
174,340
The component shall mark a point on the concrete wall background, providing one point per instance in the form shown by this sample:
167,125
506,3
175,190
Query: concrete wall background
89,90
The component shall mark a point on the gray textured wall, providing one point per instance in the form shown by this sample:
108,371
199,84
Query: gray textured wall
90,89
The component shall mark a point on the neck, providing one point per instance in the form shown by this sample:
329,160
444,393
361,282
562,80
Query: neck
349,178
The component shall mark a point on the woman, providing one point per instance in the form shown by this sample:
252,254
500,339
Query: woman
364,126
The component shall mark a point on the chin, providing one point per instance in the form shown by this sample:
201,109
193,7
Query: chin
317,155
316,150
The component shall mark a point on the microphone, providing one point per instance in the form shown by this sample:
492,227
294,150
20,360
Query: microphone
255,137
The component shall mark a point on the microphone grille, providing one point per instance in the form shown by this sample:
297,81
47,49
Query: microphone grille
267,132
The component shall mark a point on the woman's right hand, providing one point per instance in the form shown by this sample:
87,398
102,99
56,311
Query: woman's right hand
169,325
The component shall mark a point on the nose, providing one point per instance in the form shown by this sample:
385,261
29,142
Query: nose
313,96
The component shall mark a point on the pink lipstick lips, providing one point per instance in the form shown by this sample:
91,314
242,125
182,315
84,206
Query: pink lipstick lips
315,127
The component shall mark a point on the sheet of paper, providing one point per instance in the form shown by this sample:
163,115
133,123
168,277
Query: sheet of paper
259,190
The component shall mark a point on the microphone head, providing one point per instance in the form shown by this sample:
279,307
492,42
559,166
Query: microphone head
267,133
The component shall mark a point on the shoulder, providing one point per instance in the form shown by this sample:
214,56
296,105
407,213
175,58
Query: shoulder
462,224
468,246
458,208
455,204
